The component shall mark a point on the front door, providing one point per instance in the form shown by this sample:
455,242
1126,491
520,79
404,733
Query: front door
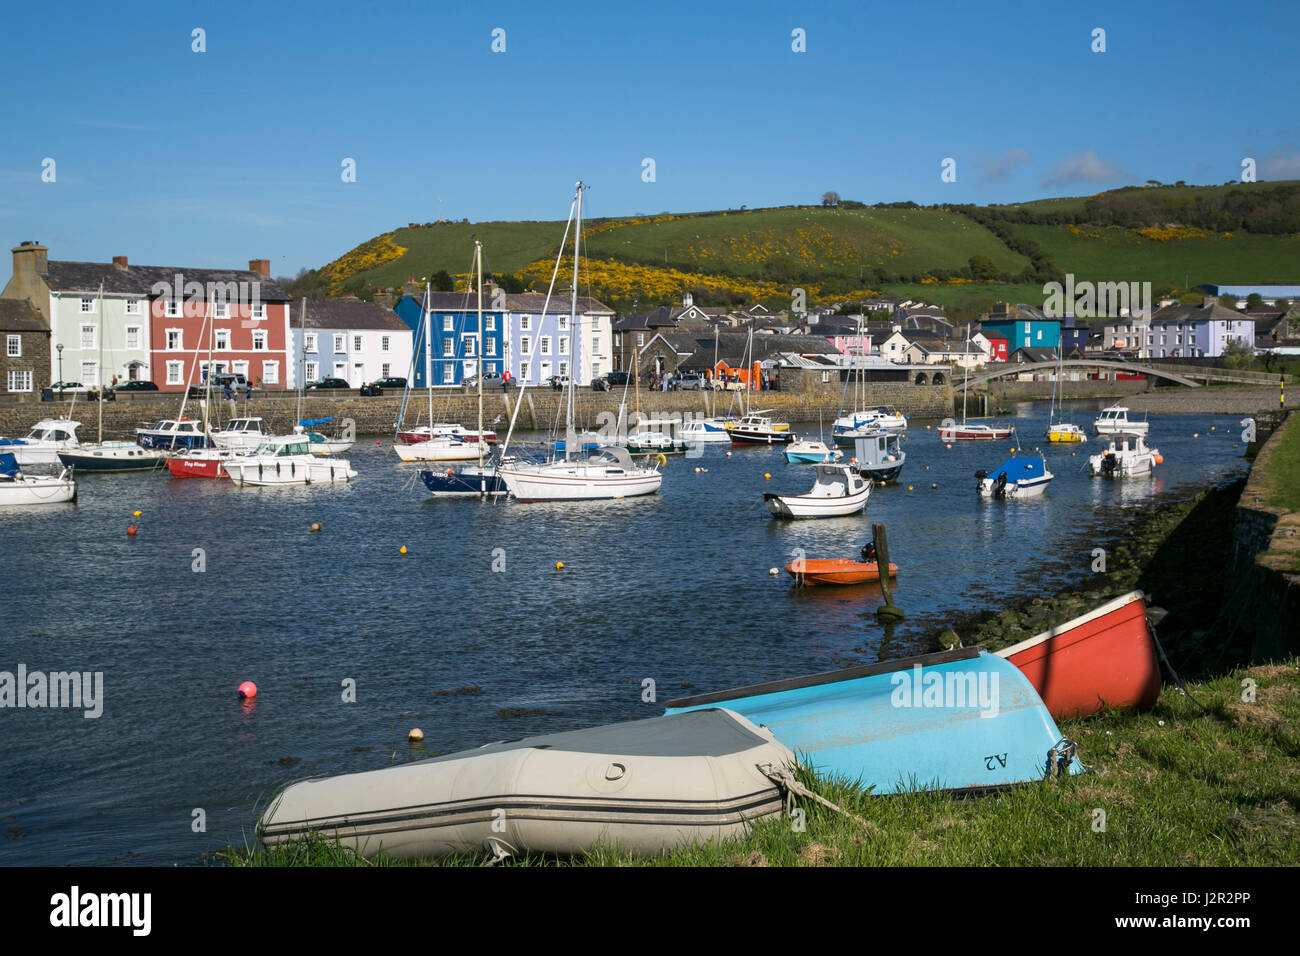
341,370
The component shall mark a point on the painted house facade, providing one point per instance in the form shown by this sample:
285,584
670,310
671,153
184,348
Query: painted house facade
544,344
1190,331
153,320
356,341
1023,326
449,353
24,350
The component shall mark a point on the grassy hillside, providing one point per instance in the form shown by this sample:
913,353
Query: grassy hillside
1168,258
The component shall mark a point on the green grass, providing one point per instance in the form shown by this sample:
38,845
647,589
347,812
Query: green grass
1112,254
826,241
507,247
1177,787
952,295
1284,468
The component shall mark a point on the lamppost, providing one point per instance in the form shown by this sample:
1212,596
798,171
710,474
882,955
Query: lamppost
60,349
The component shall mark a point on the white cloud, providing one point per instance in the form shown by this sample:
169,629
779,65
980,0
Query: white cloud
1087,167
1283,163
994,168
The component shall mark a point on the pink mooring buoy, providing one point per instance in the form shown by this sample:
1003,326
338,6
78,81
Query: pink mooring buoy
247,689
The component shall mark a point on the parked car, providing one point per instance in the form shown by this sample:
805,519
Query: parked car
616,379
391,382
69,387
220,380
728,383
558,382
688,381
329,383
490,380
135,385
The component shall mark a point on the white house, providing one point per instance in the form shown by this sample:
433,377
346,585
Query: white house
356,341
540,345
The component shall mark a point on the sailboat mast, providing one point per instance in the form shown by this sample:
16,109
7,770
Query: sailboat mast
966,379
101,363
207,380
428,348
574,331
302,361
478,265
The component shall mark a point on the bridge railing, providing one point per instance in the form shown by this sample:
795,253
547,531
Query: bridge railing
1213,372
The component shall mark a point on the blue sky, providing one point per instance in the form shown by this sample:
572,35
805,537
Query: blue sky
173,157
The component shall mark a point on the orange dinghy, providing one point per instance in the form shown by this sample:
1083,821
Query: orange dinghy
835,571
1105,658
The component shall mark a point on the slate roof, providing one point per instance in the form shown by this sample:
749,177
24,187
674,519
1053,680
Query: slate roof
529,302
86,276
731,348
350,315
19,315
1198,313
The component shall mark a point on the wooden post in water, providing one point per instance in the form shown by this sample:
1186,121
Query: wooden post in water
887,611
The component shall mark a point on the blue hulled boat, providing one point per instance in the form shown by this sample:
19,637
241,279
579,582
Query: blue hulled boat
467,481
958,720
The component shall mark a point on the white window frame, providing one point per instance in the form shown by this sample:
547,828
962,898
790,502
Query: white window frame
259,340
132,337
90,374
221,340
356,343
340,343
383,343
386,370
20,380
258,311
311,371
220,310
14,348
448,323
180,340
564,368
546,344
490,347
175,372
489,323
564,345
309,342
640,339
134,307
564,323
524,322
270,372
448,348
470,346
525,343
87,305
174,309
523,371
89,337
448,373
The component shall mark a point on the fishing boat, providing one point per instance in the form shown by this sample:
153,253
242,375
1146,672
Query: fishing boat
19,488
173,433
705,431
1105,658
962,720
835,571
242,434
286,460
42,444
1126,456
608,473
1114,420
758,428
1017,477
879,455
806,451
413,436
646,786
837,491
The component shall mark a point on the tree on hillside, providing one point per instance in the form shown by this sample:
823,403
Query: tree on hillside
1228,301
1282,305
982,267
1254,301
830,199
442,281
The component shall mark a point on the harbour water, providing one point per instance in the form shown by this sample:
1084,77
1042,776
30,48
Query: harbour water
473,635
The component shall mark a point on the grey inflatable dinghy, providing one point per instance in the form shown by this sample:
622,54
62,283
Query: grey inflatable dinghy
645,786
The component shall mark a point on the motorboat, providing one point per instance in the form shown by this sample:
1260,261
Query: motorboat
286,460
319,442
645,786
109,456
1105,658
962,720
759,429
1065,433
413,436
879,455
849,428
202,462
1125,457
837,491
42,444
804,451
835,571
439,448
172,433
1025,476
242,434
705,431
1114,420
19,488
974,431
607,473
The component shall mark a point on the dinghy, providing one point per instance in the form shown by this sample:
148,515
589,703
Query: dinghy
958,720
1105,658
835,571
1025,477
806,451
838,491
645,786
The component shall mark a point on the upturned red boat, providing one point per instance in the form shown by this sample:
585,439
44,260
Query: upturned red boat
1105,658
835,571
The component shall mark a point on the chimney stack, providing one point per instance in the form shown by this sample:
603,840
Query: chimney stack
119,261
30,257
411,287
383,297
261,266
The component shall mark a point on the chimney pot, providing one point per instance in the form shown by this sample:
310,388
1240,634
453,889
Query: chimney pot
261,266
30,257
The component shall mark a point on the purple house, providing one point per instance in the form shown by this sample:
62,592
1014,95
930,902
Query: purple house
1198,331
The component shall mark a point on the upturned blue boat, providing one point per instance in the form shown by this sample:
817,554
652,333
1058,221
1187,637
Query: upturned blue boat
960,720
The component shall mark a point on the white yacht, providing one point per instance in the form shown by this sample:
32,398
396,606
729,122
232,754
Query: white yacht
42,444
1125,456
286,460
1114,420
837,491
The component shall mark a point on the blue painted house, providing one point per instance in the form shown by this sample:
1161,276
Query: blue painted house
1023,326
454,339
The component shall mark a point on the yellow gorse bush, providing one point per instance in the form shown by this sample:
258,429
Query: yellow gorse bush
369,255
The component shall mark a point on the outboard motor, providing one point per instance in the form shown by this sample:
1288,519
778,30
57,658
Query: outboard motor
979,479
1108,464
1000,485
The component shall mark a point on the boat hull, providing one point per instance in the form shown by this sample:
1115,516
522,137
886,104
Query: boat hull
835,571
465,483
1031,488
415,436
743,436
644,786
1105,658
579,483
438,450
111,458
983,724
288,470
967,433
815,506
25,491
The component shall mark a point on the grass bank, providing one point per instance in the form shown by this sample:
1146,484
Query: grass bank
1169,787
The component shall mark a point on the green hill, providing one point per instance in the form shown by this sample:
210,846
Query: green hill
959,256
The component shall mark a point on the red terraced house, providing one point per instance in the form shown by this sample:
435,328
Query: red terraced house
249,327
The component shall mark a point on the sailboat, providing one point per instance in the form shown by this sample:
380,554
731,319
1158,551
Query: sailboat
441,446
470,480
1057,431
317,443
609,473
951,431
113,455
